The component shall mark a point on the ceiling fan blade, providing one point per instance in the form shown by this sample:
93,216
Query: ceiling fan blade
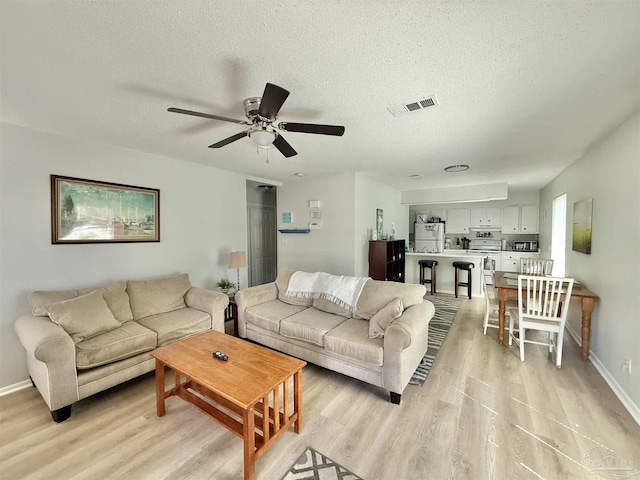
229,140
206,115
272,99
337,130
281,144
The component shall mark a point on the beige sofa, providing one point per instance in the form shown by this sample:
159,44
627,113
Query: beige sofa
81,342
321,332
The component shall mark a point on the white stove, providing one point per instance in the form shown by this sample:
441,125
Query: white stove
491,247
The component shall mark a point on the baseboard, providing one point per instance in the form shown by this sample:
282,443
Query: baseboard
619,392
15,387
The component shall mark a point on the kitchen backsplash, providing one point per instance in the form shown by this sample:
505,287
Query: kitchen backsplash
454,239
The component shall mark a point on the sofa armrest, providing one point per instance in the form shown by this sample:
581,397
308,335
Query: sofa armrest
51,359
405,343
208,301
251,296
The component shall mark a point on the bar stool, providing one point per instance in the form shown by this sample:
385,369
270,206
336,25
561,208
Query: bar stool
463,266
431,265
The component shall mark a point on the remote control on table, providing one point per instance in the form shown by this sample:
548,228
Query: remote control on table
220,355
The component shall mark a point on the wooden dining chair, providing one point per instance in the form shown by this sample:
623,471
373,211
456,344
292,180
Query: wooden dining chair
543,303
491,305
536,266
491,302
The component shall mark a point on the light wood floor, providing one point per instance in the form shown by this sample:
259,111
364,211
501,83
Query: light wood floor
482,414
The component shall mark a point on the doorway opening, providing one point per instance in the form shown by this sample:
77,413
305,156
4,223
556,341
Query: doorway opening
559,234
261,233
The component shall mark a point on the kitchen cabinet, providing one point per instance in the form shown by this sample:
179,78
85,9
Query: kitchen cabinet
457,220
520,219
511,260
386,260
529,219
488,216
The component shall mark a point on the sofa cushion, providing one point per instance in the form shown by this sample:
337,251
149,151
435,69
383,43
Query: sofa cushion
376,294
267,315
177,324
40,298
117,299
331,307
126,341
282,282
83,317
350,339
381,320
151,297
310,325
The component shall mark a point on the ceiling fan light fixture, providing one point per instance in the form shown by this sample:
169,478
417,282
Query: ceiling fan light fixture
263,138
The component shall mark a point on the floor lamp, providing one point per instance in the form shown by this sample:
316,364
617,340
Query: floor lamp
238,260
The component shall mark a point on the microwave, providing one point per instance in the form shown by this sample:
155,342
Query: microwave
525,246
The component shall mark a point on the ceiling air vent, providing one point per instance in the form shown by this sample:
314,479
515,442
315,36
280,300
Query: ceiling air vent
404,108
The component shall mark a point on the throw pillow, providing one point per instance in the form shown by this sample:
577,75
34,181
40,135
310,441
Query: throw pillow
117,299
83,317
381,320
40,298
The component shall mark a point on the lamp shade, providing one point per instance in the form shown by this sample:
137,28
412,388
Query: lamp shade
237,260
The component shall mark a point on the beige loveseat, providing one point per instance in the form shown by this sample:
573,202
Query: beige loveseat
321,332
80,342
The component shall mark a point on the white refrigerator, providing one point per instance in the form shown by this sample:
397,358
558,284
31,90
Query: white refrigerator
429,237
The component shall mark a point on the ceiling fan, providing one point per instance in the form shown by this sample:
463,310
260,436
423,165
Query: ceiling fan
262,112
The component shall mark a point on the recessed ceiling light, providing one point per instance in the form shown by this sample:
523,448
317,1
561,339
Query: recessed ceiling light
456,168
415,176
299,174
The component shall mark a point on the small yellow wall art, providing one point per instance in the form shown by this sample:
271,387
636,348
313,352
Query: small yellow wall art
582,217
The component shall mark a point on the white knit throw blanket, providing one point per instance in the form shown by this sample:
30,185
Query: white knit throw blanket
339,289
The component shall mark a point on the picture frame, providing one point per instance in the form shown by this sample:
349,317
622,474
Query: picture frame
91,211
582,225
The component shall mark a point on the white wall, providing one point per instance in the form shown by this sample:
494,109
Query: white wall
197,232
369,196
348,204
609,173
329,249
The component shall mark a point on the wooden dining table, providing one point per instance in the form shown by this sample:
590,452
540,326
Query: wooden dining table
580,293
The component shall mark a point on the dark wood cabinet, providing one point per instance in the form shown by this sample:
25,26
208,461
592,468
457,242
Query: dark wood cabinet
386,260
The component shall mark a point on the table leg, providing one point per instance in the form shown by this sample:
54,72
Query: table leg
249,436
502,306
160,410
297,400
588,305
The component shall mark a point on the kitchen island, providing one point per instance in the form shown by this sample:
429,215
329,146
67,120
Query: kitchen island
445,279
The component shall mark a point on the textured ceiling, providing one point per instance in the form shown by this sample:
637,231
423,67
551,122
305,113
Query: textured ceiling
524,86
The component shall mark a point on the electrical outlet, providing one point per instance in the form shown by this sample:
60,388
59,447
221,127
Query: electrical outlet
626,365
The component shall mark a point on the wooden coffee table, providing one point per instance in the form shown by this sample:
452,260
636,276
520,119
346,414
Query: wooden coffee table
249,393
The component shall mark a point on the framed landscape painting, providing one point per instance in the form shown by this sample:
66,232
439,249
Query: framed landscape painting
89,211
582,217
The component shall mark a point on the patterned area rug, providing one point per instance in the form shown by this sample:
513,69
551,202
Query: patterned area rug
446,309
313,465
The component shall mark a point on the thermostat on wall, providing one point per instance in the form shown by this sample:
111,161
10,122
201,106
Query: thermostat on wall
314,203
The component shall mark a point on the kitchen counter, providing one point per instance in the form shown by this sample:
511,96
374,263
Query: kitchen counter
445,277
448,253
